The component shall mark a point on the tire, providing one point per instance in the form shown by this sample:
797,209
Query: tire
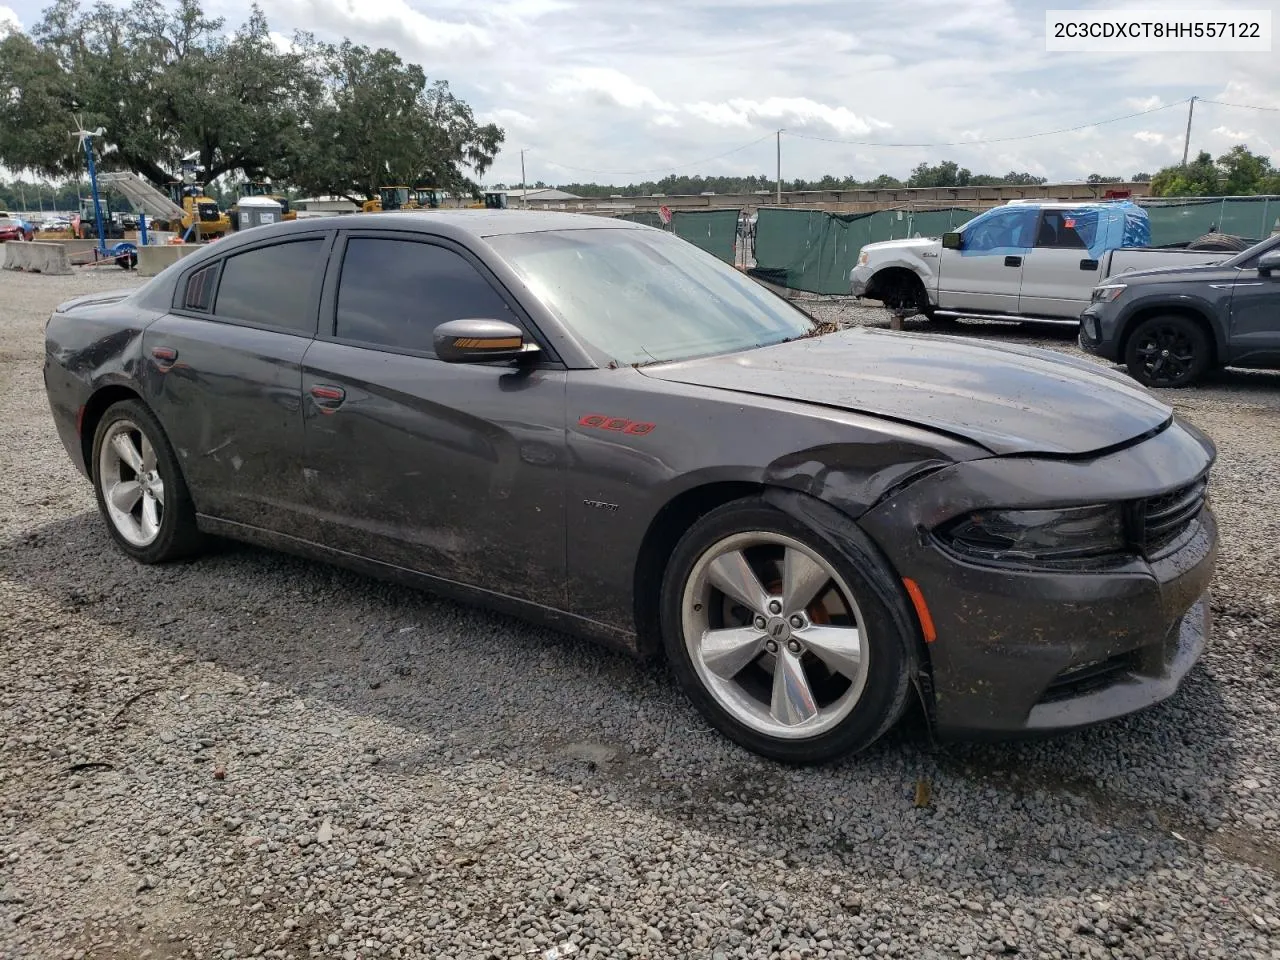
1224,242
159,524
1168,351
849,705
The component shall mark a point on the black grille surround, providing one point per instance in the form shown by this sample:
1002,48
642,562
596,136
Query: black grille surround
1159,524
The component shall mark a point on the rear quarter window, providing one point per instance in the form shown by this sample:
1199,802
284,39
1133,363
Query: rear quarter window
198,295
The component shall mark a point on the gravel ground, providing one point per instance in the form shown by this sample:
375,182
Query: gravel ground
254,755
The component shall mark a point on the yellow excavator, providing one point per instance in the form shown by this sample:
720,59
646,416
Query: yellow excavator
404,198
200,210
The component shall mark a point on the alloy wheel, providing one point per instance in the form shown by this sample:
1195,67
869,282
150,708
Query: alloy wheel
775,635
132,488
1166,353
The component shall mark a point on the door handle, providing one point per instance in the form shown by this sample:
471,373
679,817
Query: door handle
1013,261
1088,264
165,357
328,397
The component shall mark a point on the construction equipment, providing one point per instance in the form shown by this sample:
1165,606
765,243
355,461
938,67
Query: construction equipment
404,198
198,210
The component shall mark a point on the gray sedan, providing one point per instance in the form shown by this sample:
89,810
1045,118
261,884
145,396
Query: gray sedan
598,426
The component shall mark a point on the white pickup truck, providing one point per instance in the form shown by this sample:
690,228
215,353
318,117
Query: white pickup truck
1032,260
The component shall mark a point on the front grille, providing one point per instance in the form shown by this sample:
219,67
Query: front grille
1167,517
1087,677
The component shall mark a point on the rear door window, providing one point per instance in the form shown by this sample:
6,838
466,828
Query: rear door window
394,293
272,286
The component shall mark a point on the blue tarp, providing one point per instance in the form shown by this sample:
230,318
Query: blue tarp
1012,228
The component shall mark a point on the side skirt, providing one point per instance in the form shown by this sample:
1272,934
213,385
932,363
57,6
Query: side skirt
549,617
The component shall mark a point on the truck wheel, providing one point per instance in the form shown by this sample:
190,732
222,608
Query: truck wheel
1167,351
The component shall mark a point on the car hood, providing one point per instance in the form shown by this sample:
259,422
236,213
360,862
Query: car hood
1009,399
906,243
1204,271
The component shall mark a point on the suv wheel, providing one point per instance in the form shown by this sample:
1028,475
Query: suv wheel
1167,351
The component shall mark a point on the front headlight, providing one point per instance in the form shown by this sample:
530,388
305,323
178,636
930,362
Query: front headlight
1108,292
1069,533
863,258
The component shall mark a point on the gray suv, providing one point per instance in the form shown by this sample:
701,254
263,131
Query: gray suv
1170,325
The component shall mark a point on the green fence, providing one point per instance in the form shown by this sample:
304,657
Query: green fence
715,231
1185,220
814,251
647,217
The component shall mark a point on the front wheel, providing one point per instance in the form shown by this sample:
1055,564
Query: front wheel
778,638
1168,351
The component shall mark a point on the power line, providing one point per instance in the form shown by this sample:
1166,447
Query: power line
1242,106
681,166
966,143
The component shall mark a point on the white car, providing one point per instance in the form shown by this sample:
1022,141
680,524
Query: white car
1023,260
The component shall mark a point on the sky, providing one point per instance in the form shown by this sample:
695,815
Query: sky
616,91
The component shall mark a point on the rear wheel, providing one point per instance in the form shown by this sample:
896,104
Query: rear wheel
778,638
1168,351
139,486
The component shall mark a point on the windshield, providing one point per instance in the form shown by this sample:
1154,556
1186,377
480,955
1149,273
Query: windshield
643,296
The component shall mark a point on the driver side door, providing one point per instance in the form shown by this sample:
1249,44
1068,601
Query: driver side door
985,275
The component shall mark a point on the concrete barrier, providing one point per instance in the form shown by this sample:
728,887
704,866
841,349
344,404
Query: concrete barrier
36,257
77,248
151,260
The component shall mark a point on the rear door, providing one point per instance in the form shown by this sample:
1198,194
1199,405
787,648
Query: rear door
1059,273
451,469
224,375
986,274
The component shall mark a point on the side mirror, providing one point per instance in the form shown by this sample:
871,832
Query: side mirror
952,241
1269,261
480,341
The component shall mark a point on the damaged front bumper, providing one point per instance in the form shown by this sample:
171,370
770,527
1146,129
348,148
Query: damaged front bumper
1022,650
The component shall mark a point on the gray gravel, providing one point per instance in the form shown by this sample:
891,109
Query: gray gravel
254,755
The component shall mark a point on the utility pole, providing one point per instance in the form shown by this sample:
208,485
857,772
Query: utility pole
1186,144
524,184
779,167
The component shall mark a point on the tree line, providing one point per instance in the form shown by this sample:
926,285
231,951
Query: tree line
948,173
166,82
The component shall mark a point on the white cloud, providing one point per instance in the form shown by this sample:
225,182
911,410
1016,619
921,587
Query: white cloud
798,112
392,23
509,119
281,42
1150,136
1144,103
608,86
8,21
1233,134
